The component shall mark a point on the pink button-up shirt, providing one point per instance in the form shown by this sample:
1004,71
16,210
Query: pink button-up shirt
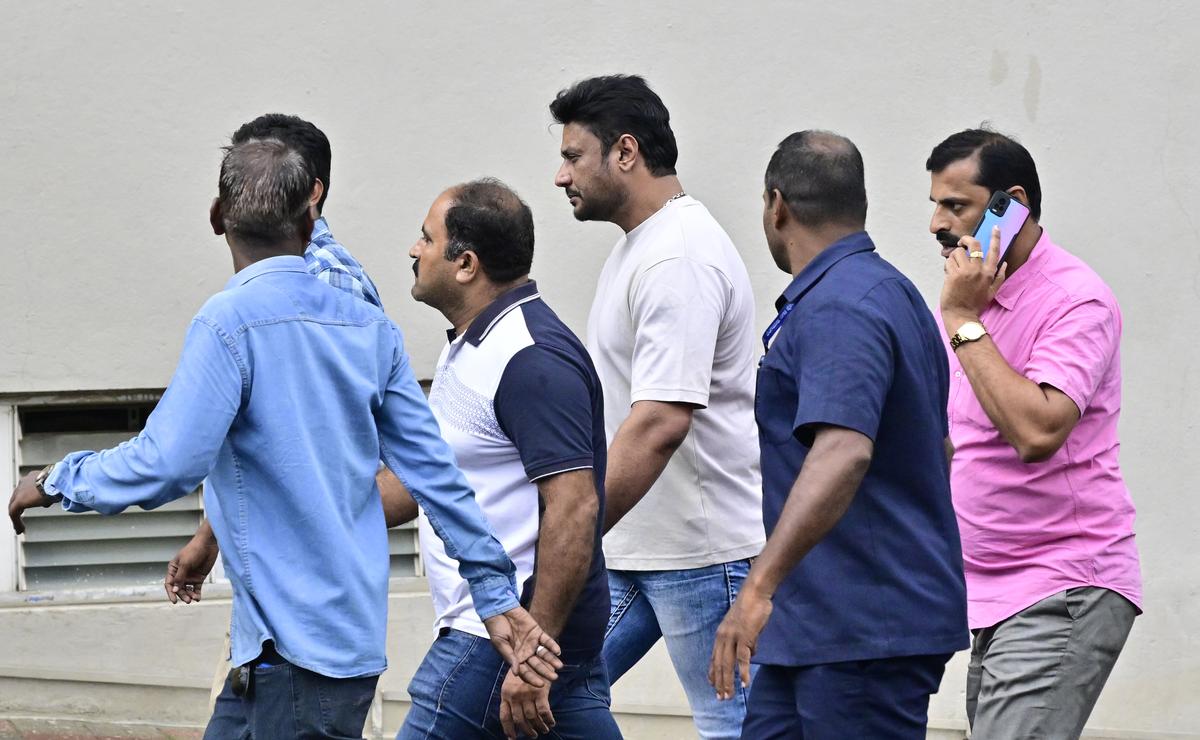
1030,530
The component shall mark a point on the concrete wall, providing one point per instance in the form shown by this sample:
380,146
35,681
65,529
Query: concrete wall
111,115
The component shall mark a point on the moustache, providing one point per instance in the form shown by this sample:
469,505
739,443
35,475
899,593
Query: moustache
947,238
573,194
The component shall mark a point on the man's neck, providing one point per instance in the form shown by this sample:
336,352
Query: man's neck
243,257
1022,246
803,245
645,200
476,302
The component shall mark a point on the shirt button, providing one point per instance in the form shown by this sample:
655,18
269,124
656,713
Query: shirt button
958,373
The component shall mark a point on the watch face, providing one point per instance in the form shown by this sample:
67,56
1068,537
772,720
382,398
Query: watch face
972,331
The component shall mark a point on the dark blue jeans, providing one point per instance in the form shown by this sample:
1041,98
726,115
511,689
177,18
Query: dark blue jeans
288,702
456,695
884,699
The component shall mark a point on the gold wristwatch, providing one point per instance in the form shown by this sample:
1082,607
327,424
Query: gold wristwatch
969,332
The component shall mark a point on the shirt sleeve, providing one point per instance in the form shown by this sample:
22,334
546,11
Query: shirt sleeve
180,442
843,369
1075,350
544,405
677,306
412,447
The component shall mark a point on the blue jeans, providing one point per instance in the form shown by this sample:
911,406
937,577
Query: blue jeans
456,695
685,607
884,699
288,702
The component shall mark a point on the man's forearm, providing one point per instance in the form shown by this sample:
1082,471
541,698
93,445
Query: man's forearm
204,534
564,557
566,540
640,452
819,498
399,507
1021,409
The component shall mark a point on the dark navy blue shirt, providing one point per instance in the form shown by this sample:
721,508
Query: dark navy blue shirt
860,350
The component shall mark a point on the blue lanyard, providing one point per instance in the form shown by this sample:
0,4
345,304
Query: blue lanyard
773,329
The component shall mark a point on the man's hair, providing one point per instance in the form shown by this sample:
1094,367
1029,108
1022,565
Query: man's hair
1003,163
298,134
264,189
621,104
490,219
820,176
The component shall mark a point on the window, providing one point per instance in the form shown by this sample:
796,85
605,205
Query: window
76,551
85,551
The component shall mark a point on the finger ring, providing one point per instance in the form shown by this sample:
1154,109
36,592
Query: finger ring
540,650
189,587
976,255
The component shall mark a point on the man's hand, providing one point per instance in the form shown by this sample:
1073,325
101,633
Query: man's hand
971,282
737,638
524,709
26,496
190,566
529,651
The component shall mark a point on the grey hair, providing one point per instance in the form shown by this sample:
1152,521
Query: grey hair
264,190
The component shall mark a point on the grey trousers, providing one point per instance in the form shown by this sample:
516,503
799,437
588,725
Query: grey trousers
1038,673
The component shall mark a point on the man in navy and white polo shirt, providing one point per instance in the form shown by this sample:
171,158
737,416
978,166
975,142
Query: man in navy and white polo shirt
519,401
861,576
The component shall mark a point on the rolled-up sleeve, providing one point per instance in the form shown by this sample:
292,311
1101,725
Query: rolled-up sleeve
179,444
413,448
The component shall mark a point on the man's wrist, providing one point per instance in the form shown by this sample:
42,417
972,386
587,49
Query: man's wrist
953,320
756,586
40,483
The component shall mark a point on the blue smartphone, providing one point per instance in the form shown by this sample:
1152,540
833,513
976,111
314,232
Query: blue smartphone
1004,211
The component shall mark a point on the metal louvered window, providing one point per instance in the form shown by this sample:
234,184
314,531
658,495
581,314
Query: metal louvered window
80,551
62,551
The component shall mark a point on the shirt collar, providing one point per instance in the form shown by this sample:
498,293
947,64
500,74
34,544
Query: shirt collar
282,263
496,310
1011,291
812,273
320,229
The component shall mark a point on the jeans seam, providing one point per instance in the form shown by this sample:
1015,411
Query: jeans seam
497,683
291,674
450,678
618,613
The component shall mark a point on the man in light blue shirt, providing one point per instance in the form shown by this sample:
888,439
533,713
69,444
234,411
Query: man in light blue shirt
291,491
327,259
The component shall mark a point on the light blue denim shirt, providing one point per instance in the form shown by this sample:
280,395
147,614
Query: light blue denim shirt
287,395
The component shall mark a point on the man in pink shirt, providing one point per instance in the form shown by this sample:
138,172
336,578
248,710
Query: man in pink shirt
1034,337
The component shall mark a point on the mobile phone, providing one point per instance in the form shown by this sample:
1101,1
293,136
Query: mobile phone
1004,211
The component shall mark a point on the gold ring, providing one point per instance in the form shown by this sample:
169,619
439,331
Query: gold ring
976,255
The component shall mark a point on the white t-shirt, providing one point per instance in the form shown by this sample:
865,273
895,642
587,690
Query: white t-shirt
673,320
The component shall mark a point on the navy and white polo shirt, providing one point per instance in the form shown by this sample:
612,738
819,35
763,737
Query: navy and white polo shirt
518,400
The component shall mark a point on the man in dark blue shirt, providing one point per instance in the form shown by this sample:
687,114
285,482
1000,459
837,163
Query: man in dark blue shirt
861,577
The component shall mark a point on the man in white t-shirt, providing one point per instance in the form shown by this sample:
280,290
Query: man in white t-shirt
671,332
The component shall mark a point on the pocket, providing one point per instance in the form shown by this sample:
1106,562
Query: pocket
595,683
344,704
774,404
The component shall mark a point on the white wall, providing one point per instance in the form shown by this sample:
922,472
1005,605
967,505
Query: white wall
111,115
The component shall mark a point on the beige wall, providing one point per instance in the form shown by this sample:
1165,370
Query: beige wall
111,115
